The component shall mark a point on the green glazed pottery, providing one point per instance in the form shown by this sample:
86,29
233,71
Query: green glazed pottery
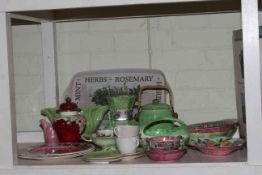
159,119
121,106
104,142
179,128
156,111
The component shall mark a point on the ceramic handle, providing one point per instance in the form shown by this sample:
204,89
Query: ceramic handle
116,131
155,87
137,142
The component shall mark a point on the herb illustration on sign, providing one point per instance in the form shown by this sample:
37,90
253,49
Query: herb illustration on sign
100,95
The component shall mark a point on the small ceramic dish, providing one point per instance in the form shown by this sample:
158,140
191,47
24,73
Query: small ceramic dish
164,143
104,142
105,133
166,156
218,146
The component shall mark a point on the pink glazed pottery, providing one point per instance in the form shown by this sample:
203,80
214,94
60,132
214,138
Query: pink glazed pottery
165,143
166,156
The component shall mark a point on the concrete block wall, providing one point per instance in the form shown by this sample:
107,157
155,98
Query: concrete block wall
28,72
195,53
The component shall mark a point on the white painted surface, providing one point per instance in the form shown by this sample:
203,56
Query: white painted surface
30,137
50,64
252,67
7,103
139,169
29,79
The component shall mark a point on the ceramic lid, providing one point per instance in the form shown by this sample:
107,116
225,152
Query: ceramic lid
68,106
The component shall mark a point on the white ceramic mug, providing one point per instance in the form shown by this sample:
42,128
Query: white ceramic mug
126,130
127,145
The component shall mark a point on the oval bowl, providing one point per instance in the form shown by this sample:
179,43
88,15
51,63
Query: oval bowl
164,143
166,156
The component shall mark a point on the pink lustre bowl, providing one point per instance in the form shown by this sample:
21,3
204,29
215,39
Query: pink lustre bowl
166,156
215,151
219,146
164,143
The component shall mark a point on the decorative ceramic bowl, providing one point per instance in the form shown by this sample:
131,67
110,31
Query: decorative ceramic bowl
164,143
166,156
218,146
215,151
221,128
105,133
103,141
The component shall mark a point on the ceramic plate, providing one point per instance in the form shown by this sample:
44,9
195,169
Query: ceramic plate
55,151
103,156
139,153
102,160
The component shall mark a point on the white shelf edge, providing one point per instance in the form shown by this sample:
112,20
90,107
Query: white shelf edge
27,5
129,169
252,71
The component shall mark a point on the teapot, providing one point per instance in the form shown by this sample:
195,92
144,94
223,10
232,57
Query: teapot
159,119
69,118
155,110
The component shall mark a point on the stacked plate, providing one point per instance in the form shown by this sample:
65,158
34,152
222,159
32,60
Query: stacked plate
103,156
111,155
55,151
139,153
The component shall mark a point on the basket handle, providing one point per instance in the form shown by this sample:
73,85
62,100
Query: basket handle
155,87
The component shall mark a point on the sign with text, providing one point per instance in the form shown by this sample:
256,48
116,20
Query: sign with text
93,87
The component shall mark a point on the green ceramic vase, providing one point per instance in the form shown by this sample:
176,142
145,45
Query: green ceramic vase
121,106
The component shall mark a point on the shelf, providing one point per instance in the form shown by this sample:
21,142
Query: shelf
73,10
29,5
192,160
127,10
192,156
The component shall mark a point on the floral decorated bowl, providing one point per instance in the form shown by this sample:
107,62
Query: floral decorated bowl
165,143
165,156
105,133
221,128
218,146
104,142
